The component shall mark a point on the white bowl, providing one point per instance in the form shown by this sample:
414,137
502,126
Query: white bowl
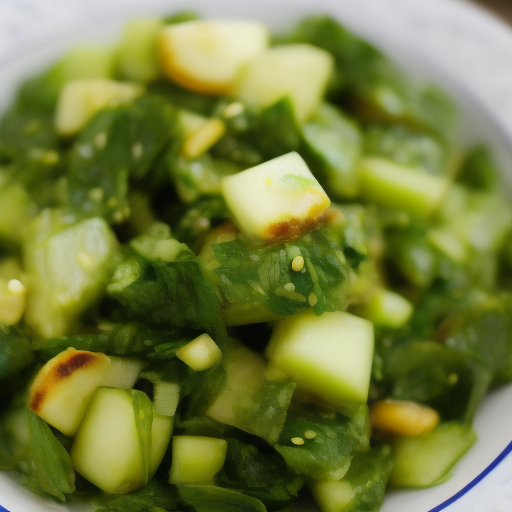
448,42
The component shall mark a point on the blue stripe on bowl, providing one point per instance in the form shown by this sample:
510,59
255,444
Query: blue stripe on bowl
494,464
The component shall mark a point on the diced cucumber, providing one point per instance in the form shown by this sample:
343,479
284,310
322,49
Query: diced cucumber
123,372
332,495
85,62
300,71
107,450
245,372
12,292
206,56
201,353
426,461
137,53
247,314
447,242
329,355
388,309
79,100
277,199
406,188
196,460
15,206
67,269
64,386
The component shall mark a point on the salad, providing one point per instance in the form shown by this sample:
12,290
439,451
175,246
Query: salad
239,267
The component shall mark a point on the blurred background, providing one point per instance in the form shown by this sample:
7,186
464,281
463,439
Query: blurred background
500,7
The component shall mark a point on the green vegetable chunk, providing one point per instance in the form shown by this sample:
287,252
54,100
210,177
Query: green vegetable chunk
426,461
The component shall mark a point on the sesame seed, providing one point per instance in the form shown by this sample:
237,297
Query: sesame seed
453,378
137,150
16,287
112,202
310,434
100,140
85,151
233,109
254,257
117,217
289,287
297,440
204,223
297,263
312,299
96,194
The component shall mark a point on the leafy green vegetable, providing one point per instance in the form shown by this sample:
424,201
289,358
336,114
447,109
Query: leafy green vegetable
143,412
252,138
260,474
264,412
49,468
15,357
479,170
207,498
406,146
169,291
118,143
333,146
247,275
321,444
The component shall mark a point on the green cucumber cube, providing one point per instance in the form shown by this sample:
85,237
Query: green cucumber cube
196,460
398,186
137,53
277,199
201,353
107,450
388,309
329,355
79,100
300,71
332,495
68,268
427,460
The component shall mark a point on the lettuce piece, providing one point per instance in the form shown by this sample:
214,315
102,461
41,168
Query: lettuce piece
255,137
259,473
118,143
321,445
15,357
208,498
479,170
333,146
250,276
450,381
403,145
48,468
161,284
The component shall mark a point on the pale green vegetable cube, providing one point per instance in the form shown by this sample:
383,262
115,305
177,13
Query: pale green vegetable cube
196,460
67,270
388,309
79,100
398,186
137,54
107,450
329,355
201,353
332,495
427,460
277,199
300,71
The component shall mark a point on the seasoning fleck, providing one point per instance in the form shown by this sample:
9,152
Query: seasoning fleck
137,150
297,263
310,434
312,299
297,440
